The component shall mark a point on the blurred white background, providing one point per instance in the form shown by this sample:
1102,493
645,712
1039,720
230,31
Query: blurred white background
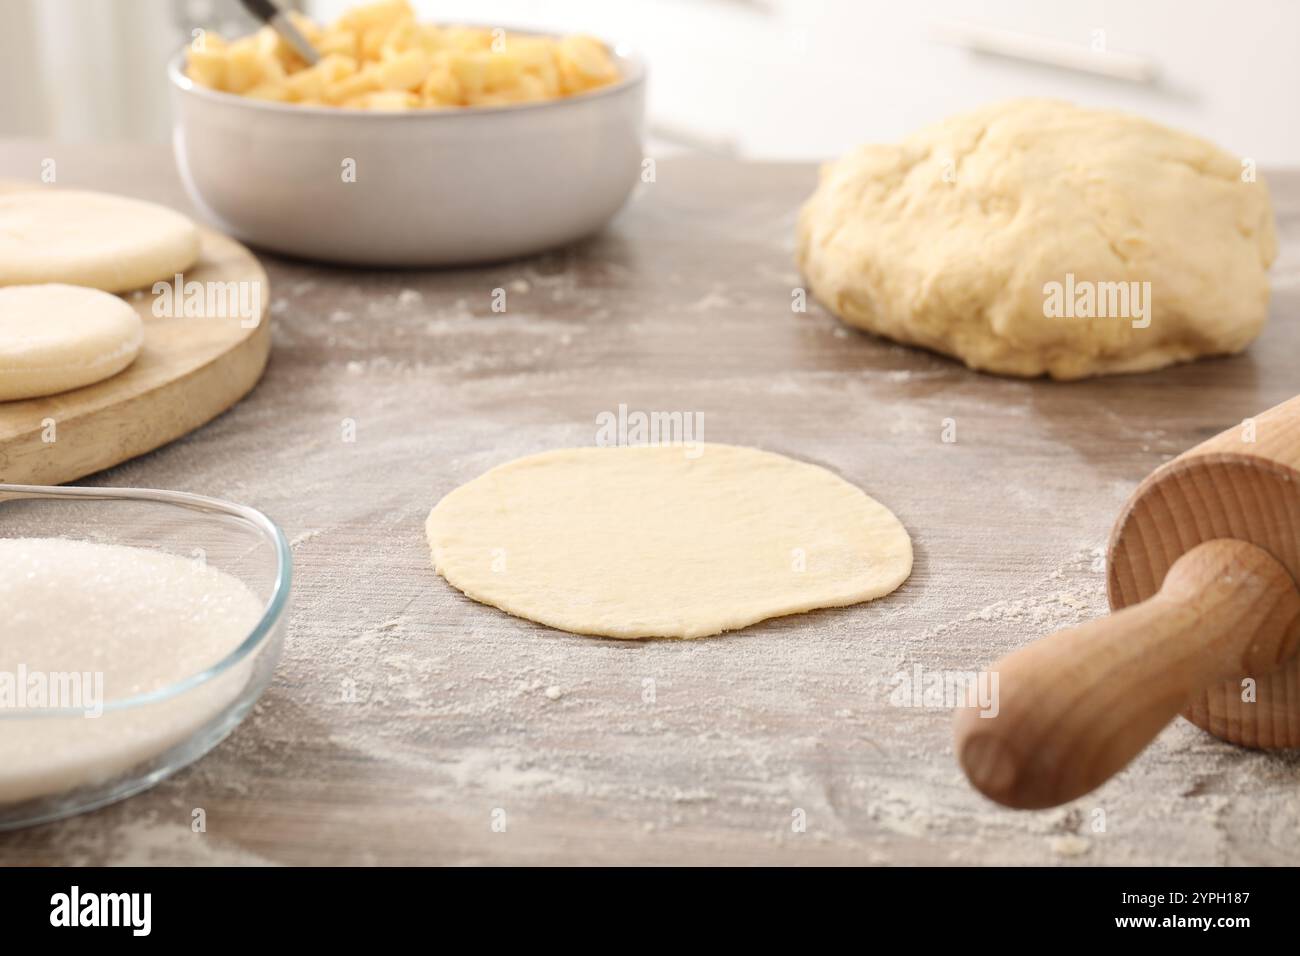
785,79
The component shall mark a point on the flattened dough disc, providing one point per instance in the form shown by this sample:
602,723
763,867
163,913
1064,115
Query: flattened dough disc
93,239
665,541
58,337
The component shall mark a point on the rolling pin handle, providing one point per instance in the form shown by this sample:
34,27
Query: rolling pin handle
1074,708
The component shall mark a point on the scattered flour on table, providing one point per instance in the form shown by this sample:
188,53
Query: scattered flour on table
407,689
724,706
1069,845
151,841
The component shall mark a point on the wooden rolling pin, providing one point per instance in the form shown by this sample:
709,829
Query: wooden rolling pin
1205,621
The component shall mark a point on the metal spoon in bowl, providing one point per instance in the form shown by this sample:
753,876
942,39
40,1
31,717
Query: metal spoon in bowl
278,20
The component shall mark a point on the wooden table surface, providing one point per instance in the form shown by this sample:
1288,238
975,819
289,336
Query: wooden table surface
708,751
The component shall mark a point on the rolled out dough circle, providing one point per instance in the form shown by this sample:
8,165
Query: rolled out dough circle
93,239
58,337
648,541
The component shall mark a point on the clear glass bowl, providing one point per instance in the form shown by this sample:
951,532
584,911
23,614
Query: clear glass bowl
139,740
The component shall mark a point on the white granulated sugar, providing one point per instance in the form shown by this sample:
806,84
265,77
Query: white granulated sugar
127,621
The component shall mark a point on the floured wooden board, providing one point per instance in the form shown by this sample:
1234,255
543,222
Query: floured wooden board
189,371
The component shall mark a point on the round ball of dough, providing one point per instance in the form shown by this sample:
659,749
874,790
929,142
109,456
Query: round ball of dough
57,337
92,239
1017,238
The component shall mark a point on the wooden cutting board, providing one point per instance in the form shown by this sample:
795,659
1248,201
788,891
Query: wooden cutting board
189,371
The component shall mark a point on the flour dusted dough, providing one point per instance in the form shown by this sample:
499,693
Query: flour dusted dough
646,541
947,240
57,337
91,239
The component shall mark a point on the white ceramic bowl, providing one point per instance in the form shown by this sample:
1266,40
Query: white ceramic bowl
432,187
